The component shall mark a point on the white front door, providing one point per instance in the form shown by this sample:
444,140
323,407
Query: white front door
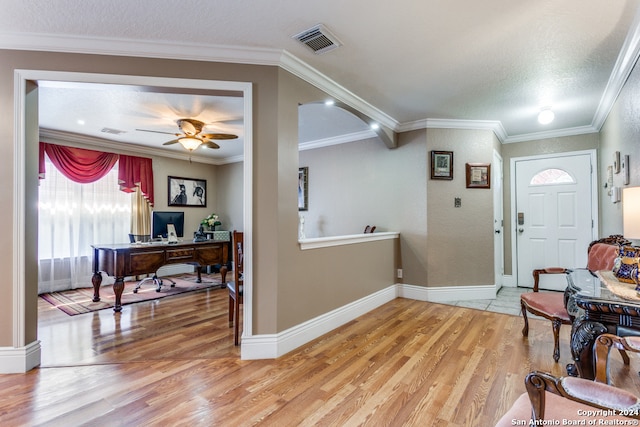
554,216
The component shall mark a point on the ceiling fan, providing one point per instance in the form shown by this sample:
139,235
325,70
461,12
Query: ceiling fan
192,136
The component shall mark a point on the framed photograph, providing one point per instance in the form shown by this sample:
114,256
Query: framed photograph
187,192
478,175
303,189
442,165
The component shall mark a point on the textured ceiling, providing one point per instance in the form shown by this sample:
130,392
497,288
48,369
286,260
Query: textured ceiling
451,63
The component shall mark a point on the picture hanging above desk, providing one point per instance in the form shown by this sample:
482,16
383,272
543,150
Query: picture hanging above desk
187,192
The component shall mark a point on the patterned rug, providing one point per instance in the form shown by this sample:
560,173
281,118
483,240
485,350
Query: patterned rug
79,301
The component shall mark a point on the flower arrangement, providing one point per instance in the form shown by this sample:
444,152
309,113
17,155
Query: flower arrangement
211,221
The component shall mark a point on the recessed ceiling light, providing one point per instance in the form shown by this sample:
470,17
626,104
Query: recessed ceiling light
80,122
375,126
329,102
546,116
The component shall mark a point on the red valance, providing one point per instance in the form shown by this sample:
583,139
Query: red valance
85,166
78,164
136,172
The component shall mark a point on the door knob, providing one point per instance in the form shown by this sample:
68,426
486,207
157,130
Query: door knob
497,231
521,230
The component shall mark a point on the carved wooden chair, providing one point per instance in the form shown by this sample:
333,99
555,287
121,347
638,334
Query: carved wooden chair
552,305
236,288
552,398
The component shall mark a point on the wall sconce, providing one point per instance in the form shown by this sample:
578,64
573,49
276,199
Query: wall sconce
631,212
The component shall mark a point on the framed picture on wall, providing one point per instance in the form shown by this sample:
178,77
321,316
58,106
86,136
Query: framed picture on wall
187,192
442,165
478,175
303,189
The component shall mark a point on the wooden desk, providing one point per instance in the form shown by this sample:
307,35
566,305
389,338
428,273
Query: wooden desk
596,310
123,260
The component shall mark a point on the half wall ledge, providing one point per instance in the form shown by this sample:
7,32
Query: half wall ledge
325,242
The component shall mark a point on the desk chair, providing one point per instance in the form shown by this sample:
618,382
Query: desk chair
158,282
236,288
552,305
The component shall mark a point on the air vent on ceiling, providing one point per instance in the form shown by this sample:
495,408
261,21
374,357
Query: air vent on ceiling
319,39
113,131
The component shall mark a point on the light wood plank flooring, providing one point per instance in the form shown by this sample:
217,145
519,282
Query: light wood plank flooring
172,362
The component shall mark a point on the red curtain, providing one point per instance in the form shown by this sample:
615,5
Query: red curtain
86,166
136,172
77,164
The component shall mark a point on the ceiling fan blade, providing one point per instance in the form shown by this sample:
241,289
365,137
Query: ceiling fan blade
175,141
210,144
157,131
219,136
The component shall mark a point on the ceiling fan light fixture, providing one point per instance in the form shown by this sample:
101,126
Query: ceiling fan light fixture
189,142
546,116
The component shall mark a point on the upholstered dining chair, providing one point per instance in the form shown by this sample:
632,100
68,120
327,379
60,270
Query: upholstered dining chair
553,398
552,305
236,288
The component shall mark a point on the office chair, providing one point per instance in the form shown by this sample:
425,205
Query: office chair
157,281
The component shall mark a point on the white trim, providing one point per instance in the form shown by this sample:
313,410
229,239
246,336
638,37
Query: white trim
336,140
271,346
447,293
326,242
21,77
19,155
594,199
275,345
261,56
21,359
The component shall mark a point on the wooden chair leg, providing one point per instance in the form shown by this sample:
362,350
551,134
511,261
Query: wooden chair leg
556,323
236,324
231,306
525,329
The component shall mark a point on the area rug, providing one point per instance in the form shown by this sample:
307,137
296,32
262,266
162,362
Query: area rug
79,301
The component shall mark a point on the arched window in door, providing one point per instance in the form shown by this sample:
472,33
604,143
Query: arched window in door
551,177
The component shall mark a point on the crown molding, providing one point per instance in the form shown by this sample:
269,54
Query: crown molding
84,141
336,140
623,67
491,125
312,76
139,48
578,130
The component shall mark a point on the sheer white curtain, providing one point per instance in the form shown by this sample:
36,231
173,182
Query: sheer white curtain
72,217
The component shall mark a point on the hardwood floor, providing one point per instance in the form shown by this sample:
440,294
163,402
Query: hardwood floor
172,362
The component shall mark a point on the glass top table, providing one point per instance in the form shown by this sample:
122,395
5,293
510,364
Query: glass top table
596,309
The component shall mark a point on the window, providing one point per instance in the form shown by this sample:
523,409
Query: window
72,217
552,176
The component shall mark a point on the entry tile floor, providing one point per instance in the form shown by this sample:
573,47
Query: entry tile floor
507,301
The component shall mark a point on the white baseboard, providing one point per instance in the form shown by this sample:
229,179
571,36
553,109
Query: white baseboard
19,360
270,346
275,345
447,293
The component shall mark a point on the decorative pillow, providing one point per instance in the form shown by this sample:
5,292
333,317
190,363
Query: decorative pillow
625,267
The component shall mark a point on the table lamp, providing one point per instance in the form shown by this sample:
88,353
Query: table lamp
631,212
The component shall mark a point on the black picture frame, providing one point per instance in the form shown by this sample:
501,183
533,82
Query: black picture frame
442,165
303,189
188,192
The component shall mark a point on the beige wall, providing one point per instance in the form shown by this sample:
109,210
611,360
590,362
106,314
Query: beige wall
459,240
621,132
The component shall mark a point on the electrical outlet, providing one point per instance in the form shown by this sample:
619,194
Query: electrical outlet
399,273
